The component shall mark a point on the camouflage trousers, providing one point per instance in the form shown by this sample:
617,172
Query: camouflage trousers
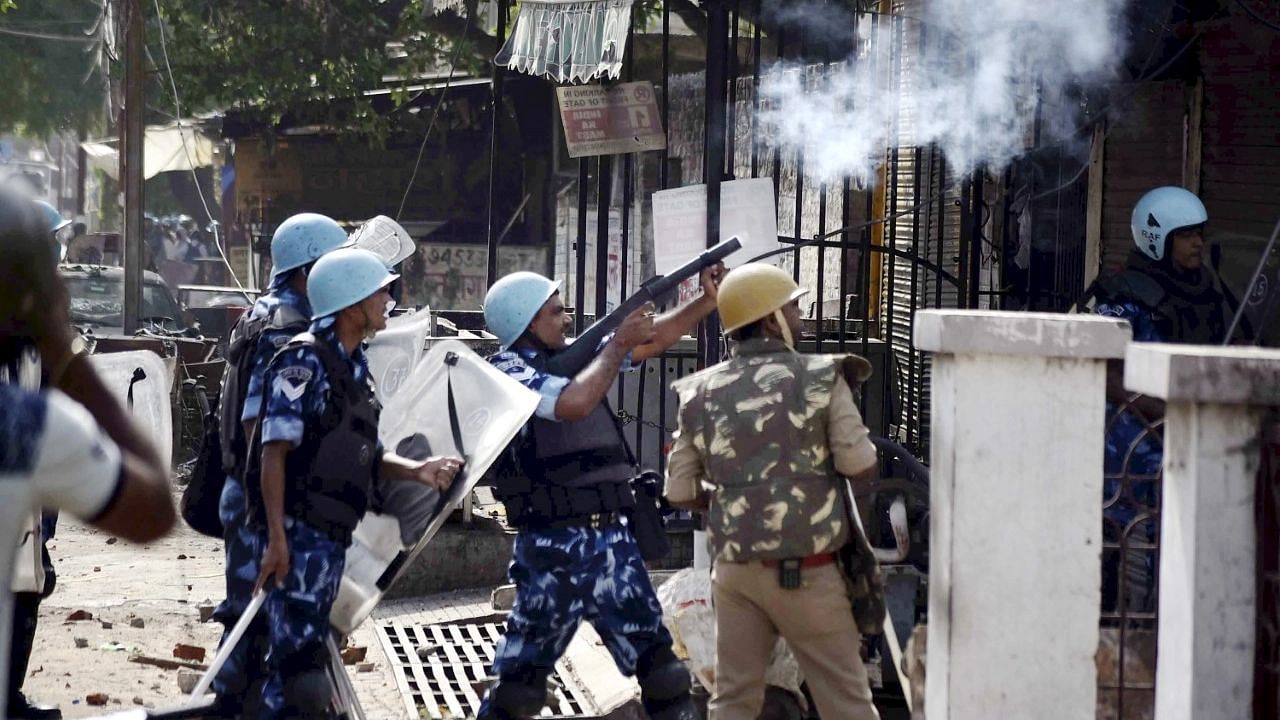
246,663
564,576
297,615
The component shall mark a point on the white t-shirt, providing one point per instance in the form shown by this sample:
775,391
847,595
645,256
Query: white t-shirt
52,455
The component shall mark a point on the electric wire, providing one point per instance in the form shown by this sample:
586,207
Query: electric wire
444,92
195,178
1254,14
84,39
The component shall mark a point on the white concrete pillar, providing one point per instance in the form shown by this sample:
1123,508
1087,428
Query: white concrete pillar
1016,511
1208,537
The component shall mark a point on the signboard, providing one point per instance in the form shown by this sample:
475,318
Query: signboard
612,120
680,224
566,258
452,276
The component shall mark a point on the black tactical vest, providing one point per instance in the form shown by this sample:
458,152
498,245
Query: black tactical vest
241,347
564,470
329,475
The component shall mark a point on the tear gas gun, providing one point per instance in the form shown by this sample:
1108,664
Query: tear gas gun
572,360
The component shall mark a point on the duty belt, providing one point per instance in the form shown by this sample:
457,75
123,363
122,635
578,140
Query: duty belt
597,521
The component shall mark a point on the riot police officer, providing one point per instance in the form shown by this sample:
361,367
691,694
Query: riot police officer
1167,294
765,442
569,496
319,460
277,316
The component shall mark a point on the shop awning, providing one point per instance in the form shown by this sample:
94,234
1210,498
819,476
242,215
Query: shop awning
164,150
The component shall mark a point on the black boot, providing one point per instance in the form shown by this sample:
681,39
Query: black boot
26,609
20,708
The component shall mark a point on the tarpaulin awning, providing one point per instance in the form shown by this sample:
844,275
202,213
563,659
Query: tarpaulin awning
164,150
568,40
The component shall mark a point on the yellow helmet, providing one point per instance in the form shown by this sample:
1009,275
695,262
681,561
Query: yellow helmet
752,291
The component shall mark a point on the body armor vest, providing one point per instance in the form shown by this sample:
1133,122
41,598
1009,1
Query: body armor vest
762,435
561,470
329,475
241,347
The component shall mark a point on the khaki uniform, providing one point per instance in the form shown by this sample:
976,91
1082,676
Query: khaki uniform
766,437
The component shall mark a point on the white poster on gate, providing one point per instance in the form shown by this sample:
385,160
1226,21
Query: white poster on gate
680,222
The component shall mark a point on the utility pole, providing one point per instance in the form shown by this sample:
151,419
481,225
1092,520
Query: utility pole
714,140
131,160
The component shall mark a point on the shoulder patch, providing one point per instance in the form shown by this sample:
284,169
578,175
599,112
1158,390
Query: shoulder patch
292,381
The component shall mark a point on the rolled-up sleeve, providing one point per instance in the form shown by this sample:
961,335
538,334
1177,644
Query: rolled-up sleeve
848,437
686,473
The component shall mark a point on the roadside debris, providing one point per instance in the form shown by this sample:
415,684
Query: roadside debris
188,680
166,664
188,652
82,642
137,622
97,699
79,616
353,654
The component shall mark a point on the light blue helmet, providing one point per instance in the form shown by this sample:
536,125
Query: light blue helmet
1161,212
511,303
343,278
303,239
52,217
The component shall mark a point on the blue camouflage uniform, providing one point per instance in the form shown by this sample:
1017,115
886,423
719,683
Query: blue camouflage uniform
297,391
245,664
1131,452
566,575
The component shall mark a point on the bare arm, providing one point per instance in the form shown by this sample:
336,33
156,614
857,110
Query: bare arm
275,560
80,382
435,472
672,326
143,511
588,387
669,327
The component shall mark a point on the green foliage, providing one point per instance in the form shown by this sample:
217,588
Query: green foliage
310,60
53,76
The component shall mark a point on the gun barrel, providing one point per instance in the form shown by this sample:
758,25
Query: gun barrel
571,361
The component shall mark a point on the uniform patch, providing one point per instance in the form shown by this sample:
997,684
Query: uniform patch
520,372
292,381
279,341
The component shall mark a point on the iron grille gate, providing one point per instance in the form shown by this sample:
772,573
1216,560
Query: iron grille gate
1130,573
444,669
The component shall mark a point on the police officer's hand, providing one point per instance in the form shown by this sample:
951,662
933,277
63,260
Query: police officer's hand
438,472
275,561
710,280
637,328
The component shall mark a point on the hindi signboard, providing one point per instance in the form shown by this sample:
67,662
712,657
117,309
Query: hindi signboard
611,120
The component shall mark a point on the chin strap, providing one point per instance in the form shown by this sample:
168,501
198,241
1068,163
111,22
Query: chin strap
786,329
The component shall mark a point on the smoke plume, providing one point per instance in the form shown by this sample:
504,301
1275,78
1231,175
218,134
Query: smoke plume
972,76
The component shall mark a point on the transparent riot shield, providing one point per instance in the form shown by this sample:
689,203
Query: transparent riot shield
486,411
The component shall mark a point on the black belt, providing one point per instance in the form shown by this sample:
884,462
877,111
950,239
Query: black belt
597,521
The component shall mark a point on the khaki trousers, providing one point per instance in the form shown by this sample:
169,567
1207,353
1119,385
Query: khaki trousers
817,621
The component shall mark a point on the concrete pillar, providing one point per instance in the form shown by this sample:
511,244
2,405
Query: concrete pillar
1208,539
1016,511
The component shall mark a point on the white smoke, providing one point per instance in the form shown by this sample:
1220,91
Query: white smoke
973,87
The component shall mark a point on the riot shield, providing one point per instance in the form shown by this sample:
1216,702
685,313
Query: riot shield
386,238
452,397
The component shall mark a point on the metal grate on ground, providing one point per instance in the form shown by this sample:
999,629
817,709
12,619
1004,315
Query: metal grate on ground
442,670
